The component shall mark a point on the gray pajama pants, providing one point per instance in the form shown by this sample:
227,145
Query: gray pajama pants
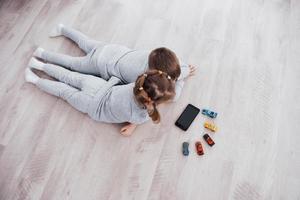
82,64
77,89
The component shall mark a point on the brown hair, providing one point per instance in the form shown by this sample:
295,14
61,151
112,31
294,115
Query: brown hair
165,60
152,88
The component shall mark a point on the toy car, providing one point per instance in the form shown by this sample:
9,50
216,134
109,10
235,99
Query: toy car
209,113
199,148
185,148
208,139
210,126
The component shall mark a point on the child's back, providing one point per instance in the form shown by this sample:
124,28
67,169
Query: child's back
120,61
118,106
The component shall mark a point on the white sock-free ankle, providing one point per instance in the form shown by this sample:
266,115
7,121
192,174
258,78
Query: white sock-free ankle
36,64
56,31
30,76
38,52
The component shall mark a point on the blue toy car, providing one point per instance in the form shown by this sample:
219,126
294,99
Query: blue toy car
185,148
209,113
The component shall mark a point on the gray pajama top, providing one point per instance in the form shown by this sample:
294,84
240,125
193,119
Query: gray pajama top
116,104
127,64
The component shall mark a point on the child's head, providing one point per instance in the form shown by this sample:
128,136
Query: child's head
165,60
152,88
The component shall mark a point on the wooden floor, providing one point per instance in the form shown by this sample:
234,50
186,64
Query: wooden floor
248,58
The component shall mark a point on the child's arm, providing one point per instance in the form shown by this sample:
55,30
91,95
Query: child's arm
128,129
184,68
178,88
186,71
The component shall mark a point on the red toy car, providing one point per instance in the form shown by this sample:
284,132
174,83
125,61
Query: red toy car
208,139
199,148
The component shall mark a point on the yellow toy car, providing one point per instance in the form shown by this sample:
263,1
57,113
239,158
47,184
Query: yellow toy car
210,126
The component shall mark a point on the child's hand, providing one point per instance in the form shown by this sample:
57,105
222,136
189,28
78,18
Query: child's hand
192,70
128,129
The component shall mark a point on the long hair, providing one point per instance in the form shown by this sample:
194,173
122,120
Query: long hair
152,88
165,60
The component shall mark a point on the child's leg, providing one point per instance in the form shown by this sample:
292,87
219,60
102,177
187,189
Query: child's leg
88,83
79,100
84,42
79,64
72,78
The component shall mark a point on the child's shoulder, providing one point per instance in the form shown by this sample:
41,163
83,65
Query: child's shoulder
124,88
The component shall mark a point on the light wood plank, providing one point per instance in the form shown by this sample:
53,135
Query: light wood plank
247,53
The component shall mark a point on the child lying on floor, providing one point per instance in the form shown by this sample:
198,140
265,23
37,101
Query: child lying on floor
105,100
107,60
